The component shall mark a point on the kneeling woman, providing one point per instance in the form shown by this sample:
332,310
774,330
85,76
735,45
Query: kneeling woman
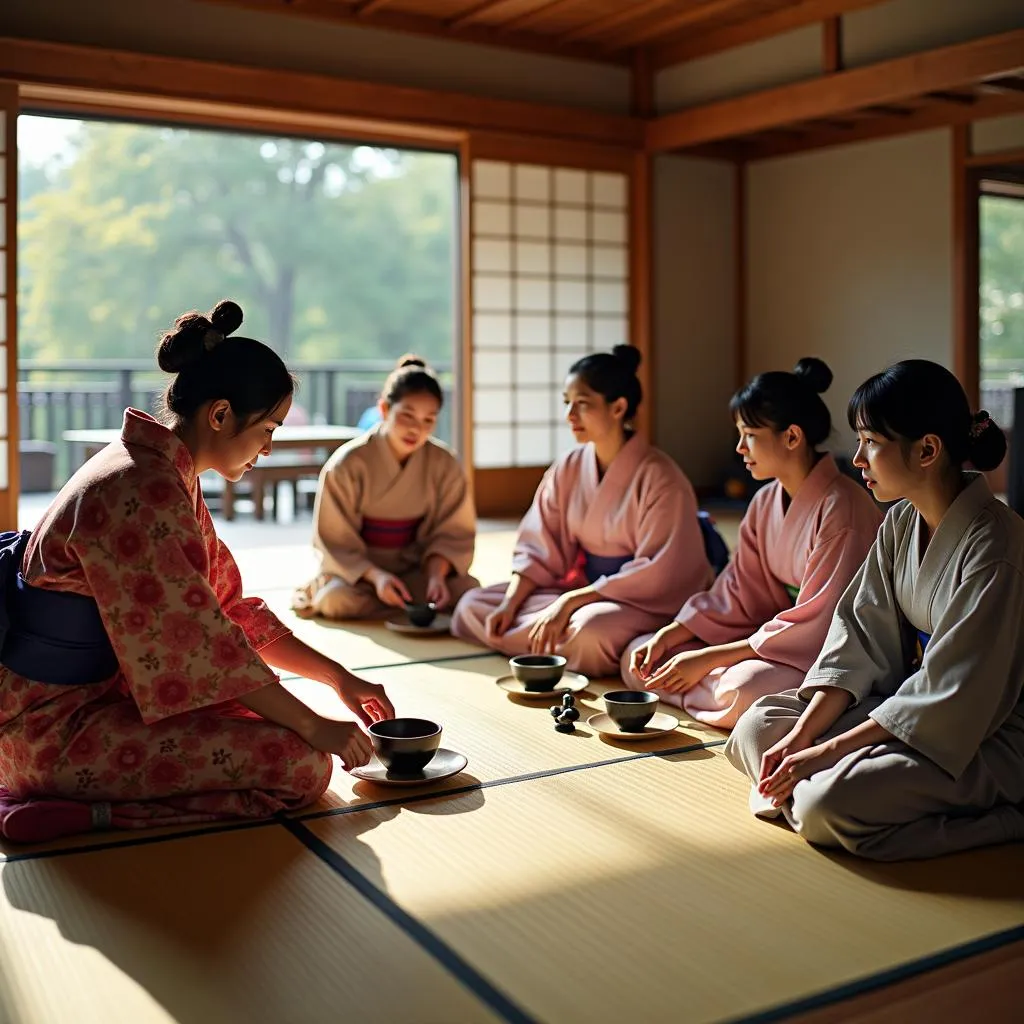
136,686
611,543
762,623
906,738
394,519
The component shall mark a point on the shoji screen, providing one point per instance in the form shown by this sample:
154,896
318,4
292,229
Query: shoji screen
550,265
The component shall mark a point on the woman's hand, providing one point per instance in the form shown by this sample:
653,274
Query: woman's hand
682,672
390,589
438,592
778,785
345,739
499,622
549,627
644,659
366,700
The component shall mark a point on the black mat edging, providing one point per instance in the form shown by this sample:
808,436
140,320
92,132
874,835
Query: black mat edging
884,978
508,780
427,940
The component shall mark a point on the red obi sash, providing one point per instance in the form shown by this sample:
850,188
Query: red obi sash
389,533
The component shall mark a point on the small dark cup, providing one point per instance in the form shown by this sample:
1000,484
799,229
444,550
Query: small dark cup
538,672
405,746
631,710
421,614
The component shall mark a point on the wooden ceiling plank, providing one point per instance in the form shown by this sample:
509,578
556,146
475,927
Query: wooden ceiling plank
528,18
951,67
689,45
87,67
475,12
423,25
601,26
687,18
364,10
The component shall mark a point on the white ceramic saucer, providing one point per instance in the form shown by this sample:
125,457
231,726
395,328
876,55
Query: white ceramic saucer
399,623
444,765
571,682
659,725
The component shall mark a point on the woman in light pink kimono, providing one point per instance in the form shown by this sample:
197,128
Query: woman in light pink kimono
762,623
394,519
137,685
611,544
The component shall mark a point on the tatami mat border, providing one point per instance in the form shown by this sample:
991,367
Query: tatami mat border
882,979
431,943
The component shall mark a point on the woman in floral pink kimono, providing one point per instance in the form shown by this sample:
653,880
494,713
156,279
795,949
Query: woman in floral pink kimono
136,686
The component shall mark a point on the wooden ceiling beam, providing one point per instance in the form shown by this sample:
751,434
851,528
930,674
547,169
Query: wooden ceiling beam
478,10
922,119
87,67
950,67
368,7
423,25
691,43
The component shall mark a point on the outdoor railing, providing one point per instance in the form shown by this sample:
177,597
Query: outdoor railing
92,394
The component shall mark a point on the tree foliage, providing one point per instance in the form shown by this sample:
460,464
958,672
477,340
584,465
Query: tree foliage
333,251
1002,281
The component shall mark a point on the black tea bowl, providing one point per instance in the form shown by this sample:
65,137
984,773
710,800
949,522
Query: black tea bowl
421,614
538,672
631,710
405,746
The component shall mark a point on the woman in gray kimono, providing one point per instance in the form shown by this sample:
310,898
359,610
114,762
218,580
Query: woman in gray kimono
906,738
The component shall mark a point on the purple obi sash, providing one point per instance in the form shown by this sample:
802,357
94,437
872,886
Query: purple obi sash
596,566
49,636
389,533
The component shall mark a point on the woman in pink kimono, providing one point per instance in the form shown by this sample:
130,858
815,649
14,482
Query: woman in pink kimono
136,686
394,519
611,543
762,623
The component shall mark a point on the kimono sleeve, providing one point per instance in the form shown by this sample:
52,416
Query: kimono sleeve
864,644
794,636
337,521
669,560
543,554
453,530
971,675
177,647
251,614
742,597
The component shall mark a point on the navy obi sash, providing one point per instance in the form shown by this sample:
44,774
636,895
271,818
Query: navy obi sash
389,533
715,548
49,636
596,566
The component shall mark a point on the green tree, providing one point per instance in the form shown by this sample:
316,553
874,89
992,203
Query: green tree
1002,279
332,250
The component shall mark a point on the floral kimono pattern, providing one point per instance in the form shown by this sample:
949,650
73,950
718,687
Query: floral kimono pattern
165,739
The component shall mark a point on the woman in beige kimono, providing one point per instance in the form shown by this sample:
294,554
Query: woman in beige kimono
760,626
394,519
906,738
611,544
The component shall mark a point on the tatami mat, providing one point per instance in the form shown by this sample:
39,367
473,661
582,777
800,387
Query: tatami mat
503,737
644,890
246,927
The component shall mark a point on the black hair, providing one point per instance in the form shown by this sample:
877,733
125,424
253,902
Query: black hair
917,397
613,375
411,376
779,400
208,365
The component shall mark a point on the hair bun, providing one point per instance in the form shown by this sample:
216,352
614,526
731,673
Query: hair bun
409,359
815,373
986,443
629,356
226,316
